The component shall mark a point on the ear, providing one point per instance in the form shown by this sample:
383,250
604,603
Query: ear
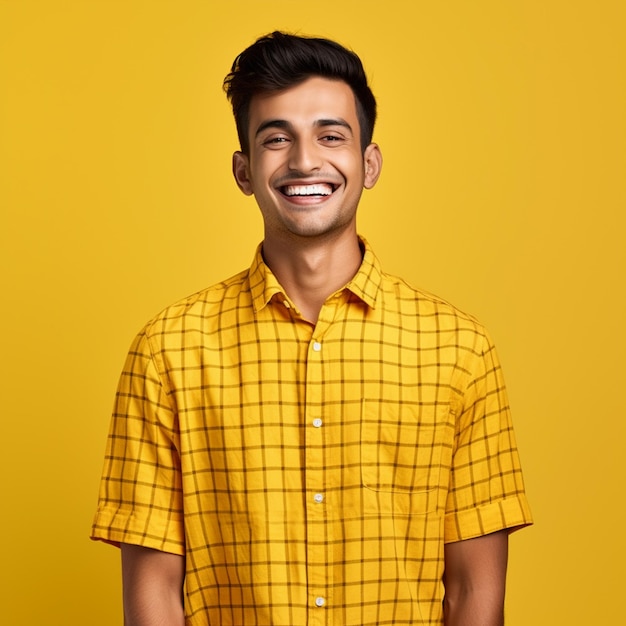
373,163
241,173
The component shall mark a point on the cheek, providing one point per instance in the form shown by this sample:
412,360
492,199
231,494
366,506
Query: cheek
355,174
265,168
352,164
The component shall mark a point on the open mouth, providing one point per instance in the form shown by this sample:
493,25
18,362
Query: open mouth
307,191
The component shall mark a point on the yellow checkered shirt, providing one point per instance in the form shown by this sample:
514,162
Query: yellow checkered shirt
310,474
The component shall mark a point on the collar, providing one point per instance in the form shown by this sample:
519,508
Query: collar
365,284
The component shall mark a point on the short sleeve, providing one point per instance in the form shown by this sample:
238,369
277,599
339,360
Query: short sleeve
140,498
486,489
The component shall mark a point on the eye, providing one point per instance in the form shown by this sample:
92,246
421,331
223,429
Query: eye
332,141
275,141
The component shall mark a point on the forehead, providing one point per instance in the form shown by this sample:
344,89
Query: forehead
315,98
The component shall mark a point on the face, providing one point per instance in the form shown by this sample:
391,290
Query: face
306,167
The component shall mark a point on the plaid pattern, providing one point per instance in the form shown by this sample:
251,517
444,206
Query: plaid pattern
310,474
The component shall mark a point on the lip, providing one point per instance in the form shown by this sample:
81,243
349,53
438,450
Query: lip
305,200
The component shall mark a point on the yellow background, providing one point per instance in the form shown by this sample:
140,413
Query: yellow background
503,130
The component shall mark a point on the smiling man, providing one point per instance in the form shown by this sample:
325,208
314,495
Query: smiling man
307,169
311,441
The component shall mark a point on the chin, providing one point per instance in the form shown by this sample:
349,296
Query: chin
317,230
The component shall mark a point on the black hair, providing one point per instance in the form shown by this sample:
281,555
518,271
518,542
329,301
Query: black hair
281,60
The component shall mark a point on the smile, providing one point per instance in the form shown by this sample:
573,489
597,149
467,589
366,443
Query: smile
318,189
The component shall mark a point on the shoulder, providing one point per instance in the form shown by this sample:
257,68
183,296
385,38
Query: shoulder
198,309
432,313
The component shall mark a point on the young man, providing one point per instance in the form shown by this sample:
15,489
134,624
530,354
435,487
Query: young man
311,441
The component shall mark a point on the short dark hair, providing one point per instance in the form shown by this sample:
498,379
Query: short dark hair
281,60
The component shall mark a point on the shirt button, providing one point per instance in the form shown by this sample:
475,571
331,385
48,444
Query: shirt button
319,601
318,497
317,346
317,422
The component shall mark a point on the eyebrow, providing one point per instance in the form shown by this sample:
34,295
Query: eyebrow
285,125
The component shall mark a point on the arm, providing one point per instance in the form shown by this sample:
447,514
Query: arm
153,587
475,577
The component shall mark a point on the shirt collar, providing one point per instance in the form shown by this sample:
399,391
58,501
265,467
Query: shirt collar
365,284
367,281
263,284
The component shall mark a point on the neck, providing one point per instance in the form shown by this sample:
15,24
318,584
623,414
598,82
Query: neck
311,269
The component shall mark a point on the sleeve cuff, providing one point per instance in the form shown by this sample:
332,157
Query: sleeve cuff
512,513
118,526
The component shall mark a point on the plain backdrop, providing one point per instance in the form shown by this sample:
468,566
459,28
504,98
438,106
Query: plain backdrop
502,126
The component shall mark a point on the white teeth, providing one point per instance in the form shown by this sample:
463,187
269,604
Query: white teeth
322,189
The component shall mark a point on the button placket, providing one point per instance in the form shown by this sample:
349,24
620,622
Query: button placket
315,480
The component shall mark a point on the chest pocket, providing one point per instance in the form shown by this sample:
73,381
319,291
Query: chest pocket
401,447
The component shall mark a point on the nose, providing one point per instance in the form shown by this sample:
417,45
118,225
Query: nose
304,157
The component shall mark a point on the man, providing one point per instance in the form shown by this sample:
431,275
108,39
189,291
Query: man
311,441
